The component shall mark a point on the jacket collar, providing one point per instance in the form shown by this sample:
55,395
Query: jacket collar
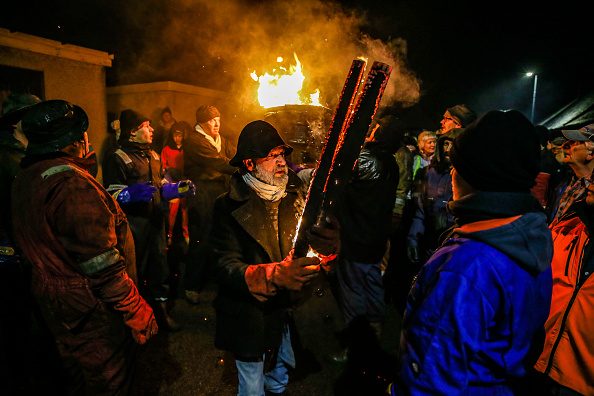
240,191
253,217
84,163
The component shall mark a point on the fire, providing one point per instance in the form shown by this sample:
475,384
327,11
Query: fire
312,253
284,87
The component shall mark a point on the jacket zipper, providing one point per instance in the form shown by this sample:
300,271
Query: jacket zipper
568,308
570,247
558,340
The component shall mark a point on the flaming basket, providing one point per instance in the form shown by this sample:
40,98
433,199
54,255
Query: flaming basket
304,127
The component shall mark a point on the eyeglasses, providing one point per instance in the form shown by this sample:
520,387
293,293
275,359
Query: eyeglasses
570,143
451,119
271,157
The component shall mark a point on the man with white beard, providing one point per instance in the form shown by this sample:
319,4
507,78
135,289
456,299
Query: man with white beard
254,226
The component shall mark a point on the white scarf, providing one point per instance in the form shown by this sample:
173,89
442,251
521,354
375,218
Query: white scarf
216,143
264,190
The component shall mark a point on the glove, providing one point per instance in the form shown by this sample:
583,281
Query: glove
7,253
139,192
325,238
143,335
137,314
183,188
293,274
413,254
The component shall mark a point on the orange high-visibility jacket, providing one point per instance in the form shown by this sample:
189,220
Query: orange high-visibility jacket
568,355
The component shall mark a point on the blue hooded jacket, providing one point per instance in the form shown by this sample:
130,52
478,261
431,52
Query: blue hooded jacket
476,308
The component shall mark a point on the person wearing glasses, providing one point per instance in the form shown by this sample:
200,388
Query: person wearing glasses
254,225
459,116
578,153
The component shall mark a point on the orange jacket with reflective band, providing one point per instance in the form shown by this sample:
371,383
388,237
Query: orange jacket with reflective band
568,355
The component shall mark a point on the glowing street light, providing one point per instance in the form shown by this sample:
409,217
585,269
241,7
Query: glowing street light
530,74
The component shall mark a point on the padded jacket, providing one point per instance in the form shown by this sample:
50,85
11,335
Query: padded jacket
476,308
568,357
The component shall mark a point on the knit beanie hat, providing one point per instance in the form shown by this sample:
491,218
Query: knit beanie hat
206,113
463,114
130,120
498,152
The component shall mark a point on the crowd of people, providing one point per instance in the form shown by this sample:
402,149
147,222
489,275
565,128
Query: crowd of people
477,233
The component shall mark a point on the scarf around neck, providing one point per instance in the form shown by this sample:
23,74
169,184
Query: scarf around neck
264,190
216,143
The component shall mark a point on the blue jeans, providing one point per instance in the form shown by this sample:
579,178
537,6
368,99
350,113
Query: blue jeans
253,381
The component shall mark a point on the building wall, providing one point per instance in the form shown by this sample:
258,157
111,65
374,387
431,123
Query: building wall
71,73
151,98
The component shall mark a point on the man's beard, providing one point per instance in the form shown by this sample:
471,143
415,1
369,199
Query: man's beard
269,178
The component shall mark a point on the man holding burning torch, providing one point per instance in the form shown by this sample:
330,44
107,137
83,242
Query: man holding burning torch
254,226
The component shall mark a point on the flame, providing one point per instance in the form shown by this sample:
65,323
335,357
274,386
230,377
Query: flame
312,253
284,88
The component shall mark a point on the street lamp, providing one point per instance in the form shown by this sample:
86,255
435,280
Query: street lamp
530,74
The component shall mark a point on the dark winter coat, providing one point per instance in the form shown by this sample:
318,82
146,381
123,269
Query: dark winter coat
203,162
210,172
243,235
365,211
135,163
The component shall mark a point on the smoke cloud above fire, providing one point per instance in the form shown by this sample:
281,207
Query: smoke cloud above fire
218,44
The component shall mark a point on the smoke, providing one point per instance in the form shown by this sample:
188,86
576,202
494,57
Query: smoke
218,44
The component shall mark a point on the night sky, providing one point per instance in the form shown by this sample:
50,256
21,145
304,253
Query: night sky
460,51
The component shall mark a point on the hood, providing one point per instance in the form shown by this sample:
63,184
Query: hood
526,239
513,223
438,159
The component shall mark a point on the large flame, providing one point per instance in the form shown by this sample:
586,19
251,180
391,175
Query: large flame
284,87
